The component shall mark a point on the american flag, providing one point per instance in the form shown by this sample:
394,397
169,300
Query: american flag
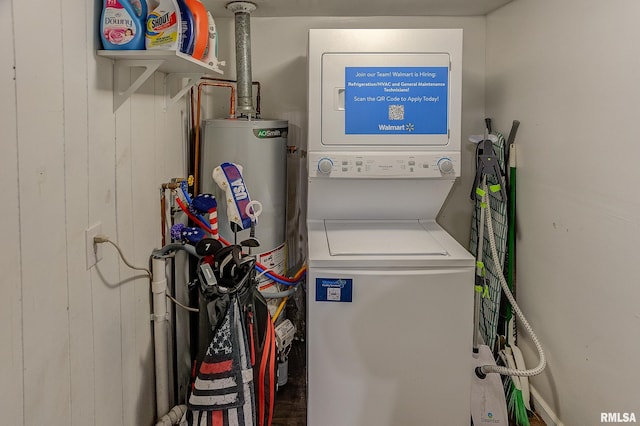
222,393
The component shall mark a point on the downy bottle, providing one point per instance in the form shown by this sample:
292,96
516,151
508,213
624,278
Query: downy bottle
122,24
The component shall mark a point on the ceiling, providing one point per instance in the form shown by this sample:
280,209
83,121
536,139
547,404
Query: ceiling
362,7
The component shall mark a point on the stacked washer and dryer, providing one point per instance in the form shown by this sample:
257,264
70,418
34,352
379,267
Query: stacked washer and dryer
390,293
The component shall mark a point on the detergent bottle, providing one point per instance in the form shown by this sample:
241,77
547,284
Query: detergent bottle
211,53
164,25
187,31
122,24
201,28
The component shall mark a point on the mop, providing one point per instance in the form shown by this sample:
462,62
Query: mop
517,387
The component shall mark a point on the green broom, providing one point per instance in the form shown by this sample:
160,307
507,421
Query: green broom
517,400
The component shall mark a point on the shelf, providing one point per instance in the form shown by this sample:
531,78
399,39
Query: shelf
174,64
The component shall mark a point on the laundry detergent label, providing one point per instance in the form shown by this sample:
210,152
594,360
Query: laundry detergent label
118,25
163,25
162,29
396,100
334,290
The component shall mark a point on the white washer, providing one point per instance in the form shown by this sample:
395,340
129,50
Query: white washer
390,293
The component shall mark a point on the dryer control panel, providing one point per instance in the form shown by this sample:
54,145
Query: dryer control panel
384,165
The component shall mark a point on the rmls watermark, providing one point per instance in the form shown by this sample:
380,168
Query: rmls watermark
617,417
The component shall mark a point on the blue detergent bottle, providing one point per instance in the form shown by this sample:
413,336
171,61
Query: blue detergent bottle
122,24
188,27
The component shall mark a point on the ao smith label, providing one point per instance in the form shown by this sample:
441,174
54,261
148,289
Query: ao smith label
271,133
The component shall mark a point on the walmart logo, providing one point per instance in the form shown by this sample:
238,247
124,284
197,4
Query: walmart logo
339,283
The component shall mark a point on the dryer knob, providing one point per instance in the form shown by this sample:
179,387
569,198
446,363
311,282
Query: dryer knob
325,165
445,165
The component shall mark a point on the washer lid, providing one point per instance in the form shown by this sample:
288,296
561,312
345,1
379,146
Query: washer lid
380,237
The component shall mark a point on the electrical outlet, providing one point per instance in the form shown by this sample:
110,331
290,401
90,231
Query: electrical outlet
94,251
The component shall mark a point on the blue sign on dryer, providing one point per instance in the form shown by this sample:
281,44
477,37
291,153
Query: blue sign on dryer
396,100
334,290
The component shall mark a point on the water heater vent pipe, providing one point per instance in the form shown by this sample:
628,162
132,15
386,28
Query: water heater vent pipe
242,10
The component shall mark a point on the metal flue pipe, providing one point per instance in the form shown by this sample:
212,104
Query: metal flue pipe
242,11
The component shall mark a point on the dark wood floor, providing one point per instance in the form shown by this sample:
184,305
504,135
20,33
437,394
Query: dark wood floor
291,400
534,420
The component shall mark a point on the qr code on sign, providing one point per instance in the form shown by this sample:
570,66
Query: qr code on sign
396,112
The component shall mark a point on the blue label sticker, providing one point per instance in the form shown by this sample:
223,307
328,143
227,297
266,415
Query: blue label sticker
396,100
334,289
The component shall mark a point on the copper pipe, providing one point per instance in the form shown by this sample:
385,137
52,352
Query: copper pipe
173,185
192,108
232,114
226,80
163,218
196,159
192,114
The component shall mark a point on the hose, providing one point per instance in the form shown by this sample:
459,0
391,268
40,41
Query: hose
279,294
289,282
167,249
173,416
505,287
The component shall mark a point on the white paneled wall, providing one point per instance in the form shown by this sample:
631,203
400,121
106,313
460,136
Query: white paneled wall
76,344
43,239
11,363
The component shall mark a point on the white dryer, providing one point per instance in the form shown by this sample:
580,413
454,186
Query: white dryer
389,292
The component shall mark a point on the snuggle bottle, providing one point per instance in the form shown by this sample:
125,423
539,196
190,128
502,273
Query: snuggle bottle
122,24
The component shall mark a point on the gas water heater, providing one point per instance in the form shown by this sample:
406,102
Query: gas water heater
260,147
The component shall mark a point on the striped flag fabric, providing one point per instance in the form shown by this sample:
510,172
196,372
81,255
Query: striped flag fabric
206,203
222,393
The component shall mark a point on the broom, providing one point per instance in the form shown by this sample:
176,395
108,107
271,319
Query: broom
517,388
515,400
